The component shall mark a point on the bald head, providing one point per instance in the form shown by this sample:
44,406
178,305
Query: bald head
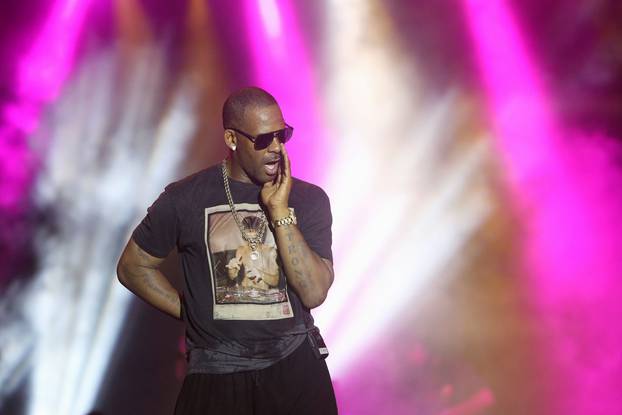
235,107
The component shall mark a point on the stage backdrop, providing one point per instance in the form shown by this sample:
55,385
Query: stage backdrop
470,149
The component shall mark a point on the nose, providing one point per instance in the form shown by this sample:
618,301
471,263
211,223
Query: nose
274,146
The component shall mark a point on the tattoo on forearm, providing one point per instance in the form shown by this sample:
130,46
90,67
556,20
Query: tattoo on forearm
302,281
146,276
296,261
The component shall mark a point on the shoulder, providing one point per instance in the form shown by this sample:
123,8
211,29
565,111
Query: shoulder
191,184
308,190
308,197
188,192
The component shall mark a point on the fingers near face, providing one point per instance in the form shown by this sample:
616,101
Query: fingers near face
286,163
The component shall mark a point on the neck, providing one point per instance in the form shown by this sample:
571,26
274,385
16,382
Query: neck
236,172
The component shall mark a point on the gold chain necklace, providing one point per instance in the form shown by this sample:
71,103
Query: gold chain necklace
252,242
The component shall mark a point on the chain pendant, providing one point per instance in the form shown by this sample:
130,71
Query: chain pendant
252,242
254,252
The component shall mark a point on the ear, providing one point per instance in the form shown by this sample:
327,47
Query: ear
231,140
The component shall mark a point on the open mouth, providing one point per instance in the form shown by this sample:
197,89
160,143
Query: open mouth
271,167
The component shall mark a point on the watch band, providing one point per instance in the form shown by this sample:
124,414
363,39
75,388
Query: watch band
287,220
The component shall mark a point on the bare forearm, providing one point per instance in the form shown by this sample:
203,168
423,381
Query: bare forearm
306,272
152,286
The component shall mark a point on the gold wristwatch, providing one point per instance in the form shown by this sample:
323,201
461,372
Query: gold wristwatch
287,220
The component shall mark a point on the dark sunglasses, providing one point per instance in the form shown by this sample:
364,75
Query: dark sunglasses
262,141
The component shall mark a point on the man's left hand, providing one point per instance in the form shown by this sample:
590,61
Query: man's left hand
275,193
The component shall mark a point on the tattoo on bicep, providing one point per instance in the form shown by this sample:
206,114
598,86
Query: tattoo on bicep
143,254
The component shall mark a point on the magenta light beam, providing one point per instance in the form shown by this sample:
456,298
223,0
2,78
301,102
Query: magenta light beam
572,229
282,67
40,75
41,72
43,69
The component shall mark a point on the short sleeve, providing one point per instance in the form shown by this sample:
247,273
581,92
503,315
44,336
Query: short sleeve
157,233
315,222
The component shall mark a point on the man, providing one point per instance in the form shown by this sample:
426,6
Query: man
252,348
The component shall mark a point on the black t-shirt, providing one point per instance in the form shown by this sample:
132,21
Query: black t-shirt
240,314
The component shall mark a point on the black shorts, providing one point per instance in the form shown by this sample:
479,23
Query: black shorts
298,384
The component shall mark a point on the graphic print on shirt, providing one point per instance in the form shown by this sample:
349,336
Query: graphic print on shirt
246,285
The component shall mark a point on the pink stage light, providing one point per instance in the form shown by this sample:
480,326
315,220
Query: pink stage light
561,186
43,69
40,75
282,67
